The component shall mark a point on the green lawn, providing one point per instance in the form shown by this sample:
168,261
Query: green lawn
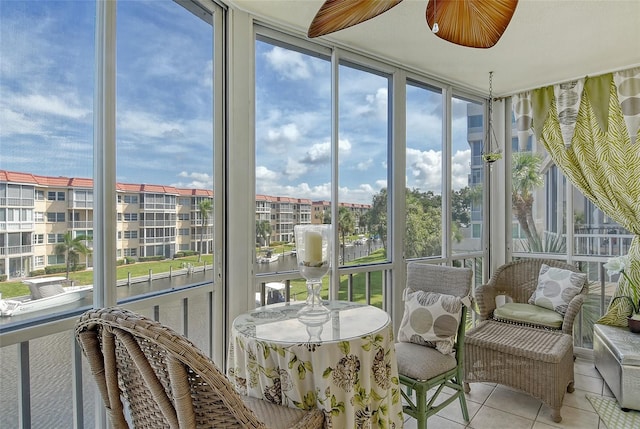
139,269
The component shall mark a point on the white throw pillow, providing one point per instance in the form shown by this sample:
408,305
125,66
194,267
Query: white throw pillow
556,288
430,319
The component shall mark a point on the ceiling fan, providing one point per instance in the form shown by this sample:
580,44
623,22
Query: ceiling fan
472,23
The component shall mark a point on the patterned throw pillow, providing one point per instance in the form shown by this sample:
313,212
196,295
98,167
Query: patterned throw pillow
556,288
430,319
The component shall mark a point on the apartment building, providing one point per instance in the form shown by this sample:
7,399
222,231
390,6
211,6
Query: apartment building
152,220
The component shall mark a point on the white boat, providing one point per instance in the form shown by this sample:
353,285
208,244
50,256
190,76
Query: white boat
52,294
266,260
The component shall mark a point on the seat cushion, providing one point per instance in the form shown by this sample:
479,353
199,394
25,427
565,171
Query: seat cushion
556,288
430,319
528,314
422,363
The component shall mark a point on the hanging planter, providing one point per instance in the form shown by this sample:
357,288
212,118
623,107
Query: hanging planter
493,153
491,157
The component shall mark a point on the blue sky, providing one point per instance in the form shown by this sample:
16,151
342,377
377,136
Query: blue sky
164,106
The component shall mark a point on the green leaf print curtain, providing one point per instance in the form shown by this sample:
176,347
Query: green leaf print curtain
590,129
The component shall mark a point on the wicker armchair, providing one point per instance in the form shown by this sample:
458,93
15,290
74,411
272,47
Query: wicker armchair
518,280
521,354
166,381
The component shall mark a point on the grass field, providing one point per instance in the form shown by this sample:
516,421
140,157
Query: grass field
12,289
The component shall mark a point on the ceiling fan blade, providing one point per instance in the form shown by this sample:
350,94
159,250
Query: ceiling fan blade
336,15
473,23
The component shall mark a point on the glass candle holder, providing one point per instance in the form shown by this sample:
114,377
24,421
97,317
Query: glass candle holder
314,255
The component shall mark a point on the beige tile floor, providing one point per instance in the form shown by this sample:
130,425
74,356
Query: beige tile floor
494,406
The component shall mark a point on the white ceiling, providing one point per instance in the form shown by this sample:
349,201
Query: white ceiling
547,41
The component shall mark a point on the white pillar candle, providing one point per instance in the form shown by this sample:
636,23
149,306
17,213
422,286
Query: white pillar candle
313,247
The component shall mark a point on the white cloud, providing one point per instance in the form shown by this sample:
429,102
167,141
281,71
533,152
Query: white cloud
364,165
319,153
425,169
264,174
460,168
147,124
288,132
288,63
52,105
294,169
375,105
198,180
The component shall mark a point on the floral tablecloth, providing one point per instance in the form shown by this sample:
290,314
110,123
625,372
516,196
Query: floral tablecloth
346,367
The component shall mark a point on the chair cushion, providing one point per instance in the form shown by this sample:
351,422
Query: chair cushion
430,319
556,288
422,363
528,314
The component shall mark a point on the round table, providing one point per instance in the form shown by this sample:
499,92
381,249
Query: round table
346,366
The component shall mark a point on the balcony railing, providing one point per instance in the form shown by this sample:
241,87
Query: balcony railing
80,224
16,226
16,250
162,222
17,202
151,240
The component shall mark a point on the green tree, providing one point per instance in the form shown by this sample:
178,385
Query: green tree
461,206
205,207
324,216
423,226
263,231
526,178
346,224
71,248
376,217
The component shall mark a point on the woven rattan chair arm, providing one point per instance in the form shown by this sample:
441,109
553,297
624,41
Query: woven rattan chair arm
313,419
485,297
572,311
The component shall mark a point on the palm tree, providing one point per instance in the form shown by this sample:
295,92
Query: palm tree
71,248
205,207
263,231
345,225
526,177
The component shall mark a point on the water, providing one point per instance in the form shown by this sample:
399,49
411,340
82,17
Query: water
288,262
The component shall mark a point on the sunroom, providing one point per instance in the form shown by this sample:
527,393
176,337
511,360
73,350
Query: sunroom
423,149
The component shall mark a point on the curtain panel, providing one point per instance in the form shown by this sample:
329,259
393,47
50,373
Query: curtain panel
590,129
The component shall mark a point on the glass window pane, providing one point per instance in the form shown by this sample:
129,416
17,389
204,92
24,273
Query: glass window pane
46,128
423,237
363,158
165,141
467,137
293,149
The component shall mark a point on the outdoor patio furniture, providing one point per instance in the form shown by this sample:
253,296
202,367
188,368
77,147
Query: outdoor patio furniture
536,361
165,381
423,367
616,354
527,342
517,281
